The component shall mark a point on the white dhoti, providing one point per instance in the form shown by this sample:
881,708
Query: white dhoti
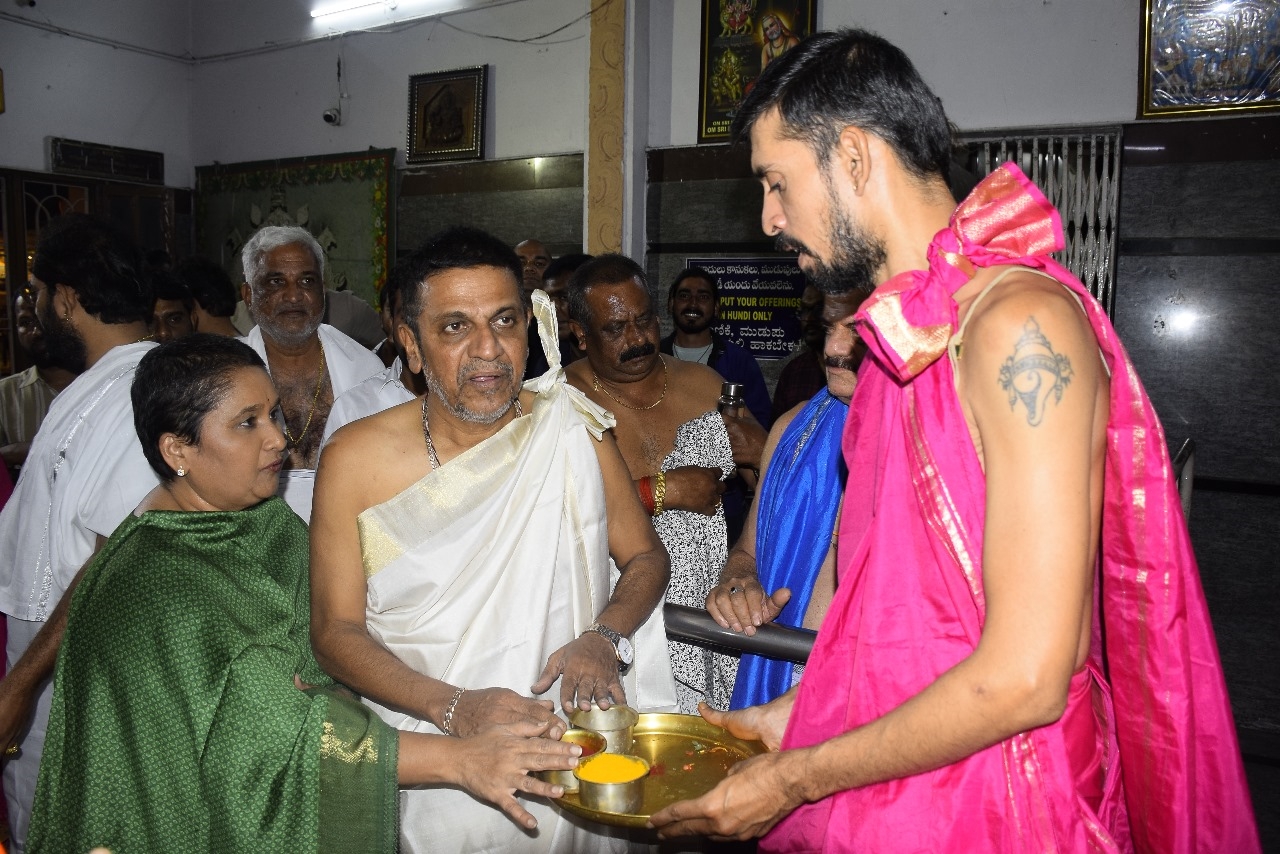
481,570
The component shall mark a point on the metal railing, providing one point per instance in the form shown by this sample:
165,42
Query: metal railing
695,626
1078,169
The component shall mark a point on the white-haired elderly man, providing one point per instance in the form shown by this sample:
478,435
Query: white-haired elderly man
311,362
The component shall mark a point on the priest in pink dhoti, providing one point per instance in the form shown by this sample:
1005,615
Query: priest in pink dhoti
482,547
1018,656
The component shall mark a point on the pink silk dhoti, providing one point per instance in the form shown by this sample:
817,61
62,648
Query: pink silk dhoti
1145,756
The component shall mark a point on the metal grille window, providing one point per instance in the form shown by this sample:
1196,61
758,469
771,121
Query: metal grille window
1078,170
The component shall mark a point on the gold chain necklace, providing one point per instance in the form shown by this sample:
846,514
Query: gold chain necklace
666,375
293,443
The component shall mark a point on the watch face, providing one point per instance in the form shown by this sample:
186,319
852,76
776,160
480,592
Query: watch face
625,651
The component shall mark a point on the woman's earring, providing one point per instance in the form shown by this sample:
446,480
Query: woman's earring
182,472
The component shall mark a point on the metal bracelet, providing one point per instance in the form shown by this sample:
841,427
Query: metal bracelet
446,725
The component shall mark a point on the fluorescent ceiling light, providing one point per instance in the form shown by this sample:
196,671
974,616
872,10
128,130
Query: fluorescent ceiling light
350,6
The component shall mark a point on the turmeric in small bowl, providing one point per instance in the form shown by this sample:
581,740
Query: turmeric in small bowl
612,768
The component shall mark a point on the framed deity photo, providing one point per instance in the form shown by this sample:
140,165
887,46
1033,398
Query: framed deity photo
740,38
446,115
1209,56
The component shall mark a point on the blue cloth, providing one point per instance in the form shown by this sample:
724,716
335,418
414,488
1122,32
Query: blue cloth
799,500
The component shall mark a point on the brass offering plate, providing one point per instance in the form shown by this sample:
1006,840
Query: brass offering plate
687,758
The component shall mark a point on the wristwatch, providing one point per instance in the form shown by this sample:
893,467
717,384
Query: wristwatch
621,646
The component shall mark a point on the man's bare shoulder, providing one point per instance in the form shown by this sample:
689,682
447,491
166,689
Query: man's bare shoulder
775,434
579,374
1024,303
377,456
784,421
378,432
694,379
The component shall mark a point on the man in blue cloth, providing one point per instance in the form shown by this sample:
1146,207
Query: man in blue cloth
789,543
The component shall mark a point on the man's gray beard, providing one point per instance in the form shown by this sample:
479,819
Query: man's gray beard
281,338
460,411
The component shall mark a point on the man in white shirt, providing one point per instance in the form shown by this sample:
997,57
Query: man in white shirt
311,362
84,474
394,384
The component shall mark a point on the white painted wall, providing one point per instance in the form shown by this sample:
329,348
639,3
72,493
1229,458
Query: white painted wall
994,63
270,105
56,85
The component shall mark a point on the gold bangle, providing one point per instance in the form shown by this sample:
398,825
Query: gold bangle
659,492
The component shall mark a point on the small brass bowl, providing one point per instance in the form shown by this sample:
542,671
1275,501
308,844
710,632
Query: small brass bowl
614,724
624,797
591,744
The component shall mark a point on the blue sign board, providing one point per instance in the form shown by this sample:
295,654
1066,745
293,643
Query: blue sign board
759,302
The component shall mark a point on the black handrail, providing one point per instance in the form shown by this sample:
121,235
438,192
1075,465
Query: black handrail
694,625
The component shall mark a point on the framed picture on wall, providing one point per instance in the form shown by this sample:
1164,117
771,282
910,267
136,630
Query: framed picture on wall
446,115
740,38
1209,57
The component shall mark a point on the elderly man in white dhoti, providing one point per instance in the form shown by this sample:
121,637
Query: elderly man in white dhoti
463,546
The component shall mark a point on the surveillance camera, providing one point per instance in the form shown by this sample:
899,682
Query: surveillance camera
332,117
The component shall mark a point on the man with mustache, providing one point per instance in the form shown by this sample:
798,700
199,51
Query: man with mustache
462,546
1018,656
310,362
25,397
789,543
84,474
677,446
694,305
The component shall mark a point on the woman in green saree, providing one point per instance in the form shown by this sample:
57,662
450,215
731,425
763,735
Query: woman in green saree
178,723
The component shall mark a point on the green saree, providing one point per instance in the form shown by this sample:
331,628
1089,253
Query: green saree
176,725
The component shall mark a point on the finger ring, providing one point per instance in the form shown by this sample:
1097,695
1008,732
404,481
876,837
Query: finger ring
11,750
733,590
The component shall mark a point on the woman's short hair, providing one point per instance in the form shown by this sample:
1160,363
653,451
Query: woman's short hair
180,382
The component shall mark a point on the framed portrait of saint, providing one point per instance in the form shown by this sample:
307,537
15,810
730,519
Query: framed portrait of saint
1209,56
739,39
446,115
